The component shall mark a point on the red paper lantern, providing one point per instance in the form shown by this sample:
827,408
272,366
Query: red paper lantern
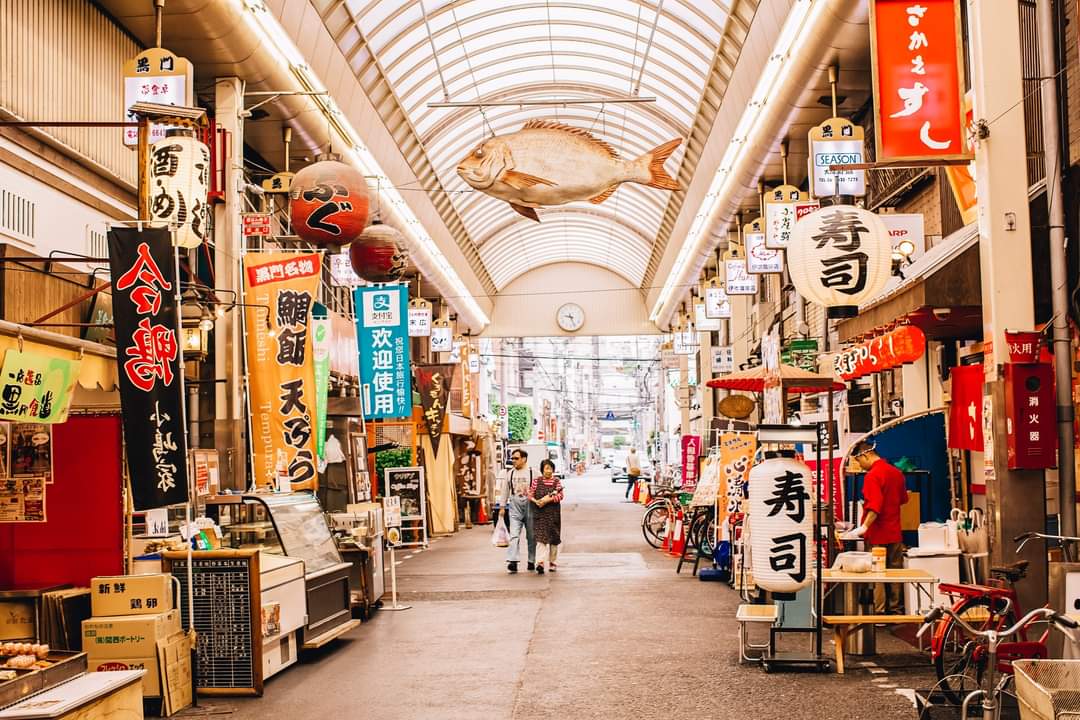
329,203
898,347
380,254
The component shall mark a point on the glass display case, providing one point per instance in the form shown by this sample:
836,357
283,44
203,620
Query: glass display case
293,525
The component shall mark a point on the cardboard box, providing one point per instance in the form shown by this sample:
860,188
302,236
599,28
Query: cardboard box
123,636
151,681
174,658
17,620
131,595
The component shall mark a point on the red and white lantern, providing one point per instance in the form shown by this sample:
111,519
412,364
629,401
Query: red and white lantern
380,254
329,203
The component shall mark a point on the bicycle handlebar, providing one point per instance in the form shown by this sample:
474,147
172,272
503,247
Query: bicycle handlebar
1063,622
1023,538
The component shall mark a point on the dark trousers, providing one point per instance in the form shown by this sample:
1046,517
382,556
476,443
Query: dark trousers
631,480
887,596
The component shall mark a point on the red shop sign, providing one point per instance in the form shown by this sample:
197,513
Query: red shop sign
918,79
903,345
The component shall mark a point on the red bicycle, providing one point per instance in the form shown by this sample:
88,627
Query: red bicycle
959,659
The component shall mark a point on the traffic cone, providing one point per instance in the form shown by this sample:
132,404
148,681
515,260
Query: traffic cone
645,499
637,492
481,514
678,535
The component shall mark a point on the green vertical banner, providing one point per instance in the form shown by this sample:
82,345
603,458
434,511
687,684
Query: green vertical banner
320,327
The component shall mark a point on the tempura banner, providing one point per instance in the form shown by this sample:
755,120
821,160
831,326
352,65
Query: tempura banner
281,365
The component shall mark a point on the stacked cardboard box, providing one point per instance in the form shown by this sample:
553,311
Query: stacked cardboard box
132,614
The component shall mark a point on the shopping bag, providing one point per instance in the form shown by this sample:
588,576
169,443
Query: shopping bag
501,536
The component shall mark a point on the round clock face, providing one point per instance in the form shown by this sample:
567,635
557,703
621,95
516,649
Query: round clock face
570,317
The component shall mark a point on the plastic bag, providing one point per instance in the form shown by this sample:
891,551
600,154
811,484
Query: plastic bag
501,536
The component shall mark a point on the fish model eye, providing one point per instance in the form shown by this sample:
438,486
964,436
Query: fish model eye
479,152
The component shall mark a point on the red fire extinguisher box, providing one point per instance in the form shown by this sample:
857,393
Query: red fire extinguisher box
1031,416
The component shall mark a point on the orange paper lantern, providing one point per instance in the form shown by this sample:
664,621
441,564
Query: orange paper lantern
330,203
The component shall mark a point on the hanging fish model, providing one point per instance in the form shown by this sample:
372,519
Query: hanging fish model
548,163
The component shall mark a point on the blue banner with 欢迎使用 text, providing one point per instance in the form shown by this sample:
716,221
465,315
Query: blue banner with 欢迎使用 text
382,333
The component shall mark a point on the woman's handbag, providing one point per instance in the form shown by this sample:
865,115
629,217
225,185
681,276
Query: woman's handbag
501,536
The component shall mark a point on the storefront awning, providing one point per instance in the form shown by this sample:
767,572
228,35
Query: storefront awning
945,277
98,368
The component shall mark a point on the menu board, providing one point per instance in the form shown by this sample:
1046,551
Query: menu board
407,483
22,499
228,618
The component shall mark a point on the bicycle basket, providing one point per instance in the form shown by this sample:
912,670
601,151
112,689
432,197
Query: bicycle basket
1048,689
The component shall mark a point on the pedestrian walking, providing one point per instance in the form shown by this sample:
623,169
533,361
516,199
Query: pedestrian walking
633,470
546,495
884,493
514,500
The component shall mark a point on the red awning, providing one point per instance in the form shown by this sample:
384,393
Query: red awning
795,380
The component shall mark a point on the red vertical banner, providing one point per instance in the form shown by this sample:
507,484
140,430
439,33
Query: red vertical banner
691,450
965,410
917,59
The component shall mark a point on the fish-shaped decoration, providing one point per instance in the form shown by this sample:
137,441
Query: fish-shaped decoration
548,163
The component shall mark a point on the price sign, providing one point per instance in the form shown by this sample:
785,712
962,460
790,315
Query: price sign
392,511
255,224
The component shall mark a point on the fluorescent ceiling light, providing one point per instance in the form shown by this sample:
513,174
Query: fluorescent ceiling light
802,15
267,26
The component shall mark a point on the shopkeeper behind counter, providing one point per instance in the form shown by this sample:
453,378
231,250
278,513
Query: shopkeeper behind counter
884,493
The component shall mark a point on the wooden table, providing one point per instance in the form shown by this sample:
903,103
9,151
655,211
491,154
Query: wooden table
855,617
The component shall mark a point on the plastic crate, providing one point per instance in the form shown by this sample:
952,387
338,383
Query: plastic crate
1048,689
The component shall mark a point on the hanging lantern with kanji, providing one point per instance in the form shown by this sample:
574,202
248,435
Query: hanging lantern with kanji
781,523
839,257
178,176
380,254
329,202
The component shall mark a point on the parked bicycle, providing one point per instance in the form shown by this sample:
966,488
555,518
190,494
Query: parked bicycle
987,648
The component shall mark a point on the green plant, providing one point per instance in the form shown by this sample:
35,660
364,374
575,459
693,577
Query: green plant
519,422
398,457
618,441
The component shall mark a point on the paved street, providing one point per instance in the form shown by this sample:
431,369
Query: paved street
615,634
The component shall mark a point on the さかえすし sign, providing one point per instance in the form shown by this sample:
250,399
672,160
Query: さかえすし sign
281,362
144,291
382,316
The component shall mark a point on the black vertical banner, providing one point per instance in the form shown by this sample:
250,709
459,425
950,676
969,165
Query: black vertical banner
433,384
148,362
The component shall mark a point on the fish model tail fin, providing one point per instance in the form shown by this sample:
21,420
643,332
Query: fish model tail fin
651,166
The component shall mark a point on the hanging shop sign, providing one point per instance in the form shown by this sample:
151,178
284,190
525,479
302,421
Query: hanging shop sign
474,361
737,280
382,315
1030,416
723,359
278,184
782,210
442,336
668,359
37,387
736,458
321,332
702,321
918,80
179,178
433,383
781,524
691,459
419,318
279,290
255,224
839,257
965,408
907,233
685,342
836,141
897,347
144,292
717,303
801,354
737,407
760,259
156,76
342,273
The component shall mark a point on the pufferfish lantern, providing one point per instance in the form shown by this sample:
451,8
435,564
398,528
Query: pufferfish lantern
330,202
380,254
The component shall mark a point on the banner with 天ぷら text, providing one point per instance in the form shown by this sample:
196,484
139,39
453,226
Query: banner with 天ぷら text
382,333
281,365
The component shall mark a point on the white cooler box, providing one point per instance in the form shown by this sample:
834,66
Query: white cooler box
942,563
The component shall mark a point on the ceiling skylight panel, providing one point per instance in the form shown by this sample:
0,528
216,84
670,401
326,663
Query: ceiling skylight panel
386,24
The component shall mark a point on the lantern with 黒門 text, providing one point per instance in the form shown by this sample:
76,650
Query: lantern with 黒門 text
839,257
329,203
781,523
380,254
178,175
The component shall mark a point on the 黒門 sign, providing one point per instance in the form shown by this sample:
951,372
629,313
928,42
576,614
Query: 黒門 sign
837,141
918,79
382,316
780,214
419,318
148,357
760,259
280,291
36,387
156,76
717,304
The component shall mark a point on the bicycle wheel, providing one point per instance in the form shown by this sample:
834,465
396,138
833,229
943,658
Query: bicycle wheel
960,660
654,523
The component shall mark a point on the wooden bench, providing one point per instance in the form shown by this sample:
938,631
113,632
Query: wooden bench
748,613
844,625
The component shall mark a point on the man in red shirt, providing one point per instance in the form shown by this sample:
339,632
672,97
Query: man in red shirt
884,493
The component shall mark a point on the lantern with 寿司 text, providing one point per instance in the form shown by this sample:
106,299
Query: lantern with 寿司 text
781,523
329,203
178,175
838,257
379,254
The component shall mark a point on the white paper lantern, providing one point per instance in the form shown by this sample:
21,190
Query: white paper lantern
839,257
179,174
781,523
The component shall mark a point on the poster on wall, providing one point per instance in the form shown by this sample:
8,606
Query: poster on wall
205,465
382,316
37,387
280,289
143,269
31,450
5,450
22,500
433,384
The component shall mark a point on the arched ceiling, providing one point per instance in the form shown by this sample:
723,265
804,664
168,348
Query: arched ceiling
411,53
